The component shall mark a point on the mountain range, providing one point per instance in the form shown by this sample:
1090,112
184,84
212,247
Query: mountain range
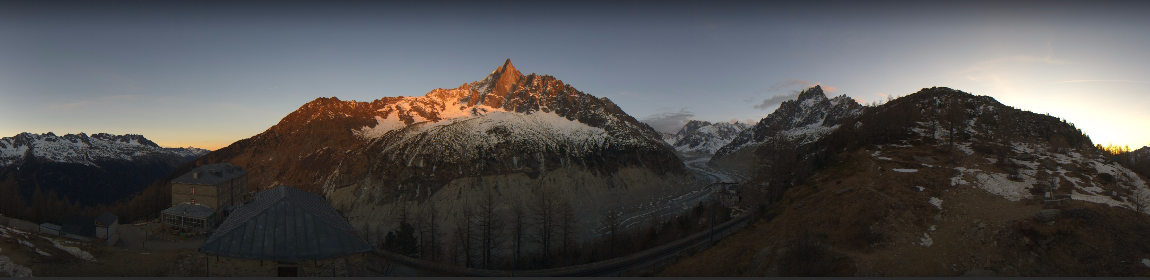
805,119
97,169
703,137
510,133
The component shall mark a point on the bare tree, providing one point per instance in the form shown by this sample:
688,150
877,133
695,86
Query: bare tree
955,116
518,230
463,225
610,221
490,225
566,225
429,229
543,214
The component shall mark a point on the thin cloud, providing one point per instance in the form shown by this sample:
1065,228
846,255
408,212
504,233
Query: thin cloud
74,104
1100,81
993,63
69,105
789,83
669,122
115,82
776,100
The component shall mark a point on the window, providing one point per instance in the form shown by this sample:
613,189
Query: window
193,190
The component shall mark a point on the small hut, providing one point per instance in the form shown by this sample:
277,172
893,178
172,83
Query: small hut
52,229
108,228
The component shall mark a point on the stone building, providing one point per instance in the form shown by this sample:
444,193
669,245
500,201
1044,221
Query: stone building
216,186
203,197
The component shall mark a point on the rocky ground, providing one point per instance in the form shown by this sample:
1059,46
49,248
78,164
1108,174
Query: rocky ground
897,213
28,253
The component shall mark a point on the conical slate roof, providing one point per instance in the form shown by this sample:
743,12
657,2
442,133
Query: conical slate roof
285,224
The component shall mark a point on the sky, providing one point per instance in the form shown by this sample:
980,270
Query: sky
207,74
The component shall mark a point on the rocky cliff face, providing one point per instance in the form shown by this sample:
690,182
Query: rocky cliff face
100,168
703,136
409,148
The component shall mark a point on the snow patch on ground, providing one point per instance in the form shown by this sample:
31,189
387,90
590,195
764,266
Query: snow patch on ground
1146,262
932,228
925,241
965,148
72,250
883,158
1001,185
904,170
12,269
936,202
920,188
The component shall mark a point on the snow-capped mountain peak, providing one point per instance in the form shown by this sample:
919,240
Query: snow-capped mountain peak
703,136
807,118
83,149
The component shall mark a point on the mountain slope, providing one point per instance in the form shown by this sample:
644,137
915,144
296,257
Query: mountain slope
508,126
703,136
805,119
940,183
96,169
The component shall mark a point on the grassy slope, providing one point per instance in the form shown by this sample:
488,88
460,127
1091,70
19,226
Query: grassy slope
876,229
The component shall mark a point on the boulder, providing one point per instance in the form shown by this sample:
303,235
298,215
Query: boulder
1046,215
843,190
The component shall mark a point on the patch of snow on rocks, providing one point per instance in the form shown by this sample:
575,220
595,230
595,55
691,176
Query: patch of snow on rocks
1100,199
73,250
932,228
1001,185
904,170
925,241
965,148
920,188
13,269
883,158
1146,262
936,202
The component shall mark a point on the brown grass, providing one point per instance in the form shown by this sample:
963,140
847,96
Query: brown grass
876,229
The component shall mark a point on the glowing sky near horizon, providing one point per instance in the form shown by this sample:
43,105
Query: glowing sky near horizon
206,74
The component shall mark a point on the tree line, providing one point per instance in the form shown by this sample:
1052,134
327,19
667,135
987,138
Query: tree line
50,207
490,232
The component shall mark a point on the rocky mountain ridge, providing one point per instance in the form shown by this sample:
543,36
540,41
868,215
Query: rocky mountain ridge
87,169
508,131
807,118
703,136
84,149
